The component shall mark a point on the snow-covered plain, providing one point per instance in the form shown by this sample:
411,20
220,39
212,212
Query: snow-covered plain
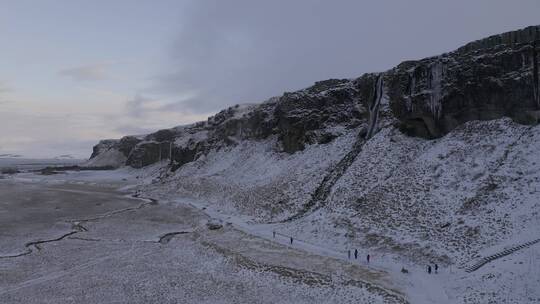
98,245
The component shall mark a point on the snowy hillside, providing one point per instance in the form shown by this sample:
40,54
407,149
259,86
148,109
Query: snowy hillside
434,161
405,200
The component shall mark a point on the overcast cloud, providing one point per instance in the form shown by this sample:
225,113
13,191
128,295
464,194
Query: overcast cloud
85,70
240,51
87,73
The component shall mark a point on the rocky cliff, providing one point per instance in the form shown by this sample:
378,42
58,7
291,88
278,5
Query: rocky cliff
486,79
435,160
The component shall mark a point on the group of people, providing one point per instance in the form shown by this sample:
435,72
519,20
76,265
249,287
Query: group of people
290,238
356,255
435,267
430,269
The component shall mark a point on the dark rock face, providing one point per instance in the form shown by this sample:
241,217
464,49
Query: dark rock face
301,117
184,155
513,38
144,154
485,79
255,123
481,81
103,146
127,143
296,119
162,135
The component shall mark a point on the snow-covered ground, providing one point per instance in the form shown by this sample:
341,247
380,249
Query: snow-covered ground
27,164
407,202
72,237
252,178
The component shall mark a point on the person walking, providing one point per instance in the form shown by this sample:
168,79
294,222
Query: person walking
436,268
274,234
429,269
356,254
291,240
368,258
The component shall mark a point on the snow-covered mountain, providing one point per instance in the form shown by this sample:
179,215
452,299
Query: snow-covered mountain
435,160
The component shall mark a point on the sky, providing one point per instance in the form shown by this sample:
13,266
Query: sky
73,72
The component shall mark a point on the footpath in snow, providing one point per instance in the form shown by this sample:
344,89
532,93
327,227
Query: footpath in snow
419,286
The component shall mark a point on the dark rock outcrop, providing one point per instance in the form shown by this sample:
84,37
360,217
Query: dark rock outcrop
144,154
103,146
296,119
485,79
124,145
127,143
513,38
302,117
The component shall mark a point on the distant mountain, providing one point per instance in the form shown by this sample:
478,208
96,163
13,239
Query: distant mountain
65,156
10,155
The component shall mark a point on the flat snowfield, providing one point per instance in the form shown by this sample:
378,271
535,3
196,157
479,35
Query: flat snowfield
67,241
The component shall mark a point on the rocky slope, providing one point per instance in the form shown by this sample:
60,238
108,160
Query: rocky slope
405,200
317,136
